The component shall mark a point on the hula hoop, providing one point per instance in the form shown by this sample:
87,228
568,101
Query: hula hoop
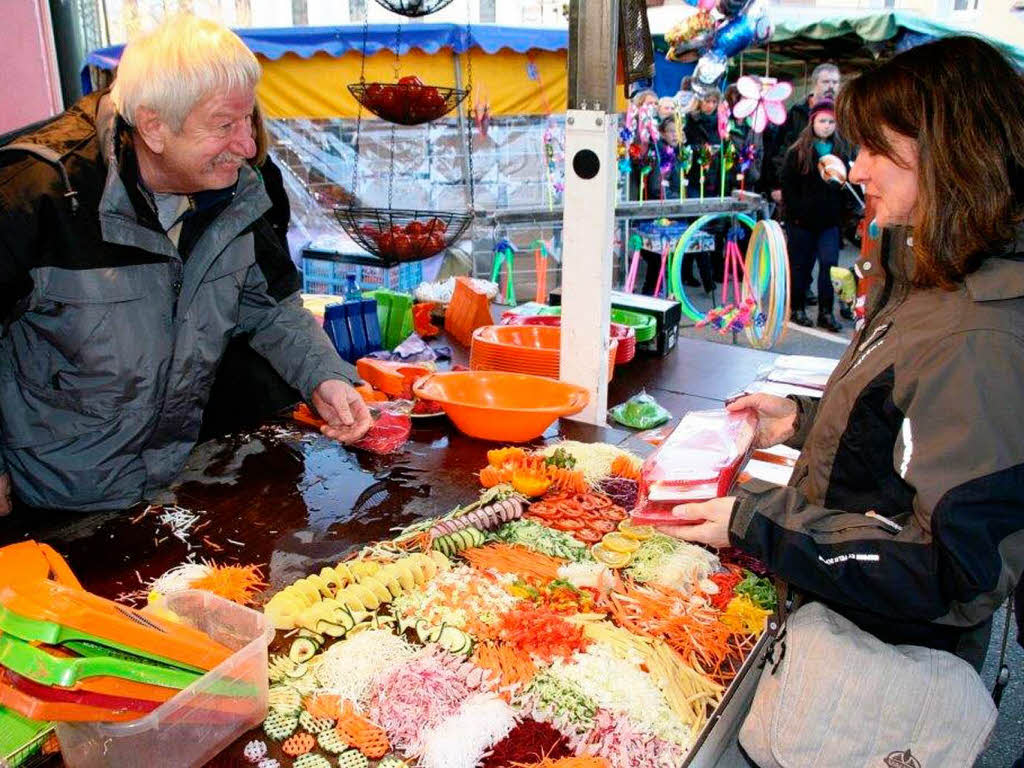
768,273
676,268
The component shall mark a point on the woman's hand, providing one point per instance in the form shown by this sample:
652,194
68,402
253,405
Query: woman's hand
776,417
714,528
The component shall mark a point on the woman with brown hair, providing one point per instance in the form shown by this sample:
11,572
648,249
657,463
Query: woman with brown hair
905,512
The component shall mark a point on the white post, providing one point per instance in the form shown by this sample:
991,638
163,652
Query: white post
587,236
589,211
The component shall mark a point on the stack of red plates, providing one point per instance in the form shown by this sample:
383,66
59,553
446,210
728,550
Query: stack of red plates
533,349
626,337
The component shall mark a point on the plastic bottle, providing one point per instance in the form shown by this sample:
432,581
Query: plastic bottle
352,292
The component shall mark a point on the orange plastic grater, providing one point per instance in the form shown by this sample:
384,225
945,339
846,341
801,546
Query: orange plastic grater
391,378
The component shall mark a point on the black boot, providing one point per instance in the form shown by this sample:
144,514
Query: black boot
845,312
800,317
828,321
691,282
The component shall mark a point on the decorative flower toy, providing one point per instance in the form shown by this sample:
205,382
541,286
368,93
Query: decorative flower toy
762,100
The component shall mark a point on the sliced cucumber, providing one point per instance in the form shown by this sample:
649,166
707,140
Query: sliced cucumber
299,670
451,639
434,633
423,630
303,649
330,628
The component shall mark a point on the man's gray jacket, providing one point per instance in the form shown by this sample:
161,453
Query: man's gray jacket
110,340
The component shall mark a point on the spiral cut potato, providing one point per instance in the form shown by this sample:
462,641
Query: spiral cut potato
336,599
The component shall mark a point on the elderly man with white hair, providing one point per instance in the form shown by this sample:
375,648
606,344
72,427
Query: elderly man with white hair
136,241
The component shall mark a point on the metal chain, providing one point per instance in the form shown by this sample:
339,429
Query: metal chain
471,112
359,113
391,167
391,144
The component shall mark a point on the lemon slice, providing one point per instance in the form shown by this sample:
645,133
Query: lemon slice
620,542
609,557
639,532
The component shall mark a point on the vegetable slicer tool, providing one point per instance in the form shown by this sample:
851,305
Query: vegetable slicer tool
40,702
50,665
41,601
48,612
21,740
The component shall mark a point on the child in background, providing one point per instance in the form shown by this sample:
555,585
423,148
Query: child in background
702,129
814,210
666,107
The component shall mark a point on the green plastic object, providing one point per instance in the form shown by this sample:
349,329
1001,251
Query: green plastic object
21,739
394,311
51,633
644,326
37,664
640,412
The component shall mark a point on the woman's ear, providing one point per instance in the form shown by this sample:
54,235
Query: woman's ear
151,128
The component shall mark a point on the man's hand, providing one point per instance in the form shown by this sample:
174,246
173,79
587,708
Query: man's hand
5,494
777,195
776,417
345,412
713,531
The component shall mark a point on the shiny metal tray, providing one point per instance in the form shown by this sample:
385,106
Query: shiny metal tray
721,730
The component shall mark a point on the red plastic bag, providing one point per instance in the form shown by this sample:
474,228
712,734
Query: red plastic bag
699,461
388,434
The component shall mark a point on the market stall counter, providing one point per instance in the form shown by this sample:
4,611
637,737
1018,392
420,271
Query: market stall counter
292,501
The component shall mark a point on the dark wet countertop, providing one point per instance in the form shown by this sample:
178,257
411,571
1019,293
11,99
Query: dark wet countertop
290,499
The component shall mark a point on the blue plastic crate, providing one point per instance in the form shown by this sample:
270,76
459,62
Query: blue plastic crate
324,276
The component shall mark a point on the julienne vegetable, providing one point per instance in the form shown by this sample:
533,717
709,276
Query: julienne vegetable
486,637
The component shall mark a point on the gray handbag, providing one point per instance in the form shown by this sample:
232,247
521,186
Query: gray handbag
841,697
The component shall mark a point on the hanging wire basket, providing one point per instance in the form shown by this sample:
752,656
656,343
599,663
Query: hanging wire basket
407,103
414,8
397,236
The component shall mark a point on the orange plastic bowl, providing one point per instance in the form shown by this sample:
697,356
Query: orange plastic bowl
499,406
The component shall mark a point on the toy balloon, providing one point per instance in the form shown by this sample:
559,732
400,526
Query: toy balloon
709,70
704,5
689,36
734,37
762,29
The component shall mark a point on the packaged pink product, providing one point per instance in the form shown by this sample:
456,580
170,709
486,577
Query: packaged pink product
699,461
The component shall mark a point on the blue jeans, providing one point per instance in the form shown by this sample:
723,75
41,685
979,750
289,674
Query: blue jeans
805,247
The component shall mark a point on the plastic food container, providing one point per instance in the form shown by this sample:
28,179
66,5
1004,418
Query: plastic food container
199,722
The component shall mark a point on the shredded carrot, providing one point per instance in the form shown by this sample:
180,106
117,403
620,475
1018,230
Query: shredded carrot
508,558
513,669
585,761
237,583
694,632
623,466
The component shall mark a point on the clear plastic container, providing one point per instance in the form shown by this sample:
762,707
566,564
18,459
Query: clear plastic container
200,721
